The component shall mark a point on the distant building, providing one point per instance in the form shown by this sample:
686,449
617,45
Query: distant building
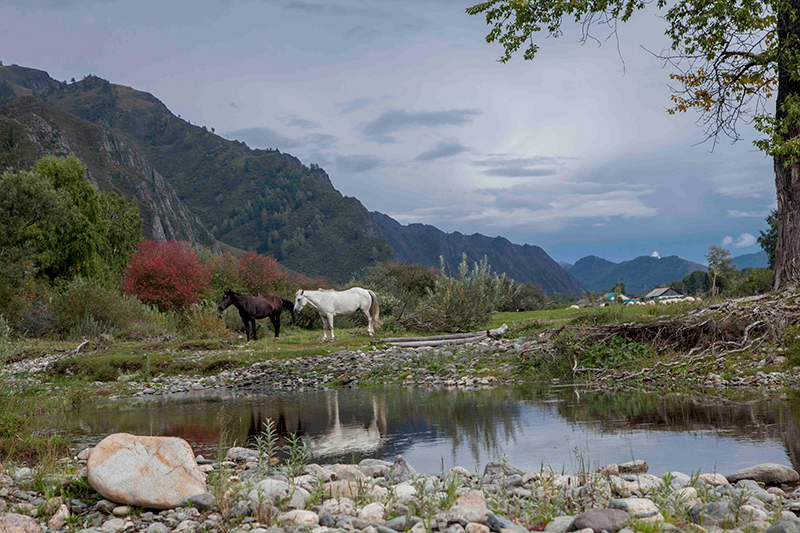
615,297
663,293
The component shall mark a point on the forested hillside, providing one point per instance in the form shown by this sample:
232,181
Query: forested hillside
420,243
639,275
260,200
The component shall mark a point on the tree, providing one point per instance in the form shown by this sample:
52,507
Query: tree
720,267
168,274
729,59
619,288
769,239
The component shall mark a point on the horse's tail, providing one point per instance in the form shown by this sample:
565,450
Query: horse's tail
374,309
290,306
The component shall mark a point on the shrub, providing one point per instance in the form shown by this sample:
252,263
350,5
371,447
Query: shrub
30,309
167,274
260,274
203,322
85,308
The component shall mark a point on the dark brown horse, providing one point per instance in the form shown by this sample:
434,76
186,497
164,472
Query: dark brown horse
254,307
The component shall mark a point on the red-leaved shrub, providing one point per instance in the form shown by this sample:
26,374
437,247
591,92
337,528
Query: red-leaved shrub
259,274
168,274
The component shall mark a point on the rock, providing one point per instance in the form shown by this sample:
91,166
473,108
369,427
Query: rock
611,469
500,523
767,473
560,524
785,525
465,514
636,507
687,493
23,474
399,523
372,511
17,523
401,471
83,455
154,472
495,471
342,489
472,497
115,524
713,514
460,472
349,473
241,455
319,472
300,517
474,527
267,491
157,527
122,510
679,480
187,526
752,488
203,501
600,519
374,467
716,480
634,467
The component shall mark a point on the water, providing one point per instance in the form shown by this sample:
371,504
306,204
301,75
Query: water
531,427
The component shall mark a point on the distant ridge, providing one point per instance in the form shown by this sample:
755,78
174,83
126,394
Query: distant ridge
756,260
639,275
423,244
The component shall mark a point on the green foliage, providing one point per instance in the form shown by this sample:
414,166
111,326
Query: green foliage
616,351
694,284
399,286
721,269
769,239
203,321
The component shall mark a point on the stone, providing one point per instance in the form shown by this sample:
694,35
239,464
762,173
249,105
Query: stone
17,523
785,525
687,493
636,507
372,511
154,472
241,455
716,480
634,467
187,526
753,489
122,510
496,471
460,472
374,467
157,527
399,523
611,469
115,524
342,489
466,514
767,473
454,528
679,480
349,473
23,474
713,514
401,471
83,455
501,524
474,527
319,472
472,497
601,519
560,524
203,501
300,517
267,491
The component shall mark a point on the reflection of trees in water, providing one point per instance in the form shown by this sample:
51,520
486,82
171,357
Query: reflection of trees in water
760,418
373,421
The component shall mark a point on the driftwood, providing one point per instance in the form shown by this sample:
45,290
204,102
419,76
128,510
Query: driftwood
441,340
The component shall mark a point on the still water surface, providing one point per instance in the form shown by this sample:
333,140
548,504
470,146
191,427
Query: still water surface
441,429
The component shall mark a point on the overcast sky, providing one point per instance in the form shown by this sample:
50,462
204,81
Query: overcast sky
407,108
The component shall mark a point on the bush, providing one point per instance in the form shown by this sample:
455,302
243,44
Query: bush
30,309
260,274
203,322
167,274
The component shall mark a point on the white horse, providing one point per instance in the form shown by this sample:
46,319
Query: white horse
330,303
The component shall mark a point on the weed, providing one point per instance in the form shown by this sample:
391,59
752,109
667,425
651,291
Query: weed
297,456
267,446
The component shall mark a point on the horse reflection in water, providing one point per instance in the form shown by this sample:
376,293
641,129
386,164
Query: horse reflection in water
339,439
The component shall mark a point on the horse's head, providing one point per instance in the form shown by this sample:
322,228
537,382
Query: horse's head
299,300
227,300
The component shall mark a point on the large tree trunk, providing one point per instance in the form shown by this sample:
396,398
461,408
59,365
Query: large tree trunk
787,174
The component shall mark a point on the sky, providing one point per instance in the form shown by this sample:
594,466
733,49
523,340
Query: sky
408,109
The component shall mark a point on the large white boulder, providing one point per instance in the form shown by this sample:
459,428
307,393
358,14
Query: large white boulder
154,472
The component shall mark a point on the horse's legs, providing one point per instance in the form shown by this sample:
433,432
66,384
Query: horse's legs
324,327
330,324
370,329
276,324
255,326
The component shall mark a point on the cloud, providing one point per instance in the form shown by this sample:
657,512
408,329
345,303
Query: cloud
395,120
745,182
233,105
745,214
441,150
291,119
358,163
354,105
361,32
745,240
505,166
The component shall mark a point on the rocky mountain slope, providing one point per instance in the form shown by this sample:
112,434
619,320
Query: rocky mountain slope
639,275
756,260
420,243
190,183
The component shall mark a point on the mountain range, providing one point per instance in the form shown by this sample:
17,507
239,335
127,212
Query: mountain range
193,185
640,275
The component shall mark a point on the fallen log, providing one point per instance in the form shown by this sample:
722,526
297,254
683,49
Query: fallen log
440,340
433,337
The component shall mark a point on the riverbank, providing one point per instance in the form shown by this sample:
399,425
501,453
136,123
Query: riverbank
249,492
